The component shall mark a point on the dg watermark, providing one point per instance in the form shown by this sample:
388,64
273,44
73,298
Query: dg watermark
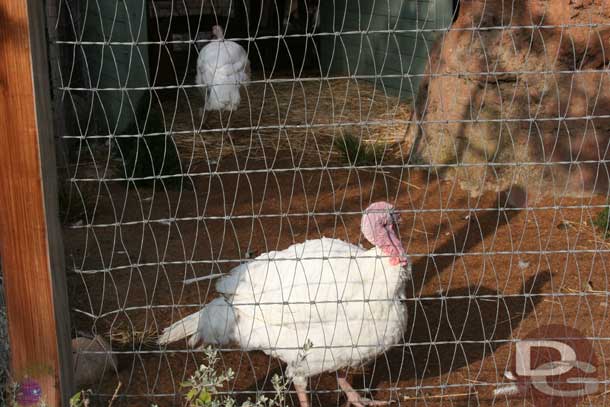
552,364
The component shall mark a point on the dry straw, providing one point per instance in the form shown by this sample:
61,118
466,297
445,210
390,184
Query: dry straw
300,118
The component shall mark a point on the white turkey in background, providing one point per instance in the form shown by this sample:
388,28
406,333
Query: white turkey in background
318,306
222,67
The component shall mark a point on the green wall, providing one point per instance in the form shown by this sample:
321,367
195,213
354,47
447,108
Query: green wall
115,65
396,56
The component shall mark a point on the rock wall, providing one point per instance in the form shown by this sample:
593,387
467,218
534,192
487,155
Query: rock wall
518,93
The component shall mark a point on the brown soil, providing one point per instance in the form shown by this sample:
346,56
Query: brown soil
469,296
524,82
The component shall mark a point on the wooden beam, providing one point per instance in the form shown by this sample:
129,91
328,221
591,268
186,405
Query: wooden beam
30,236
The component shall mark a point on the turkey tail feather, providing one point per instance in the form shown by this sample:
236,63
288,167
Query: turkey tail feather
179,330
223,97
216,323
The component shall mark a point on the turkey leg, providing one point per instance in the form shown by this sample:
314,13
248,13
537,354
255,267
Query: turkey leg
355,399
302,394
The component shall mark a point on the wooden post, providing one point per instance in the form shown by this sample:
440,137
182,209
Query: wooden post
30,236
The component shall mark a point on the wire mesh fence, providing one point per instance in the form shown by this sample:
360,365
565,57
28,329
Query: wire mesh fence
227,153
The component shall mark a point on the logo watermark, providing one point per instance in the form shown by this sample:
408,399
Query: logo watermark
29,393
553,363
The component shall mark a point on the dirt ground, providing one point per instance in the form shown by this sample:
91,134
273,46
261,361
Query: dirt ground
484,273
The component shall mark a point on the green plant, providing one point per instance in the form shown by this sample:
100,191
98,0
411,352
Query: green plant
357,152
9,393
602,222
202,388
6,384
81,399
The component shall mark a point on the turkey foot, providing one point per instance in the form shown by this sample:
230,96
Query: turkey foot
355,399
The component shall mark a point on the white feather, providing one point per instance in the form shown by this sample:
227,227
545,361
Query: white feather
217,317
179,330
208,277
222,67
346,301
507,390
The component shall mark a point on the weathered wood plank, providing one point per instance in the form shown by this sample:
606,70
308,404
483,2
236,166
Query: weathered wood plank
30,238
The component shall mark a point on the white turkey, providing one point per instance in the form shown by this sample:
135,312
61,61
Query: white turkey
319,306
222,67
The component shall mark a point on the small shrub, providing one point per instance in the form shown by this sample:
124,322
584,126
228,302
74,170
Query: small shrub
602,222
202,388
356,152
81,399
9,393
5,351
